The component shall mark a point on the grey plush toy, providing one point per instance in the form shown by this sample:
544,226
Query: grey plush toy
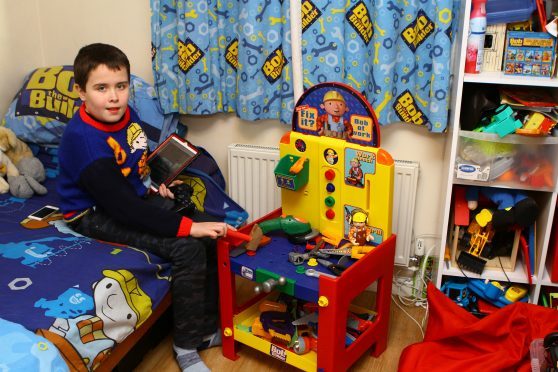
27,184
31,170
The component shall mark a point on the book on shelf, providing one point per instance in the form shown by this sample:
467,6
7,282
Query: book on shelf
529,54
532,97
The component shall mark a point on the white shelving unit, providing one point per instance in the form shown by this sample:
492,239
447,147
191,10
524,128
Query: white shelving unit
546,198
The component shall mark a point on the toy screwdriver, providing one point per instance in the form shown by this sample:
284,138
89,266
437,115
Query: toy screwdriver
334,268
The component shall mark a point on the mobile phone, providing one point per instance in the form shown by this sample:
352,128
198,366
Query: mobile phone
43,213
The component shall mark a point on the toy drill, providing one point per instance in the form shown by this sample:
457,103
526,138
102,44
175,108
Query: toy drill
290,225
296,229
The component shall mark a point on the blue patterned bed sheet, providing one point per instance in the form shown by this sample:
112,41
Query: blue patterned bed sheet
22,350
83,295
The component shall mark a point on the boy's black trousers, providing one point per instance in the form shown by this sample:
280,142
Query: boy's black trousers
193,267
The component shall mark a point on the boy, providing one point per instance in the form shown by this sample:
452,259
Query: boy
103,188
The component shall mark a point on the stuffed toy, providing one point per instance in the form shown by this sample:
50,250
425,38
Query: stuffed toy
13,147
513,207
30,171
7,168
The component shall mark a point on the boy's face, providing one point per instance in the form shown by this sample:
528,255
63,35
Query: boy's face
106,93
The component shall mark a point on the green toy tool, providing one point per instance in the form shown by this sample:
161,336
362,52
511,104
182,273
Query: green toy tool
288,224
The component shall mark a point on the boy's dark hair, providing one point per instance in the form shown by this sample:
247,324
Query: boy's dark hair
93,55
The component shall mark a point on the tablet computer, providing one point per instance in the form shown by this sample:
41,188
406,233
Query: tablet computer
169,159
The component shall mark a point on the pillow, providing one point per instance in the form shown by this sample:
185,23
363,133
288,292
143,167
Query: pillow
47,100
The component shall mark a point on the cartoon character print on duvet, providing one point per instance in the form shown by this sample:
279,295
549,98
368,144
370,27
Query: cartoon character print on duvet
42,251
121,306
37,252
11,205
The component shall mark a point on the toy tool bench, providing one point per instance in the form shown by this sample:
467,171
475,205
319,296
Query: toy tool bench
337,189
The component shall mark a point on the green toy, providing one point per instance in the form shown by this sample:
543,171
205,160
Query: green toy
288,224
503,122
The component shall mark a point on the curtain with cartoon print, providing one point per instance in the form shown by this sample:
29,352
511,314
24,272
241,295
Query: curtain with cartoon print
223,56
235,55
395,52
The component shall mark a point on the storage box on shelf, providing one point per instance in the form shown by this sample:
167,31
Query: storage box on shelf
513,161
333,295
517,147
506,11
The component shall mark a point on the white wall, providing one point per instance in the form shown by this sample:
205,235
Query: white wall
36,33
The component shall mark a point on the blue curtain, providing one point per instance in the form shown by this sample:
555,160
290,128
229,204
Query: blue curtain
235,56
395,52
223,56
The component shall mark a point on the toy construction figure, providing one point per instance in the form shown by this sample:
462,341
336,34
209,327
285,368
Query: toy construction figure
331,156
359,232
332,123
355,174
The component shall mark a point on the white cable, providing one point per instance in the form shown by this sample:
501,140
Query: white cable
409,315
422,273
409,301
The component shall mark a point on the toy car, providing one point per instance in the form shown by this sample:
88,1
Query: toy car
495,293
461,295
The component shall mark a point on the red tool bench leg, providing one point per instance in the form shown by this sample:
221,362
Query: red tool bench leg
227,294
377,266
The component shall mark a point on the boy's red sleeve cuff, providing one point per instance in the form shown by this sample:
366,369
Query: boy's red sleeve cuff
185,227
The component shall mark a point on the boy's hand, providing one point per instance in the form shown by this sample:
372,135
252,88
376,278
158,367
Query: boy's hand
165,192
212,230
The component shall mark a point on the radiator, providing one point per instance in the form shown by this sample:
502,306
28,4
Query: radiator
251,183
403,215
251,178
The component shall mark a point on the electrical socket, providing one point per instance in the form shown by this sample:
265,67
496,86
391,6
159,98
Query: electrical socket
419,247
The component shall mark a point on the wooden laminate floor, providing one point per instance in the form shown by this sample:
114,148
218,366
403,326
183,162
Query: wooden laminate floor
403,332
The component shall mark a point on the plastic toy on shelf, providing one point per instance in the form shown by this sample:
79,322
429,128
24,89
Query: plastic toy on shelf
480,232
497,294
503,122
460,293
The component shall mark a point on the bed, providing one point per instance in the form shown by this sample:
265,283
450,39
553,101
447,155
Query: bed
86,297
93,300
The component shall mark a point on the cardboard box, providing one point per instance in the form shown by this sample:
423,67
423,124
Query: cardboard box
529,54
494,45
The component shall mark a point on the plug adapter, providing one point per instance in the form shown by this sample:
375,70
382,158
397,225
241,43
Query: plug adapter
419,247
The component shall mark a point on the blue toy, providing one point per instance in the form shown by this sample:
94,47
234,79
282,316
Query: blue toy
459,293
495,293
